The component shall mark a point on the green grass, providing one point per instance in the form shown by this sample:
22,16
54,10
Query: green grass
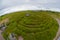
39,25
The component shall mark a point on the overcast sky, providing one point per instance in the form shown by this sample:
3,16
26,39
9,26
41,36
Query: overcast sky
40,3
12,5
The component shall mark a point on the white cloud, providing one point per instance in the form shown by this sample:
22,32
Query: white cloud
26,7
27,0
13,2
29,5
43,1
19,8
48,1
16,2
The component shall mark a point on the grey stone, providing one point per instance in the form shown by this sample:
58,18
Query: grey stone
27,14
12,36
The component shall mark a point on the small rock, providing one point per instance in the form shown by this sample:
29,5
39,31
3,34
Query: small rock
27,14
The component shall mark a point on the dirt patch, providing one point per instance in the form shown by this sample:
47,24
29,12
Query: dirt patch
58,33
5,21
20,38
1,37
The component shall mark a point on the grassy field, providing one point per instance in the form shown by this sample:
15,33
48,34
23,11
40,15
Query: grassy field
31,25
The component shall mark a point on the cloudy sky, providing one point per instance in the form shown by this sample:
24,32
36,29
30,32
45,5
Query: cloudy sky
15,5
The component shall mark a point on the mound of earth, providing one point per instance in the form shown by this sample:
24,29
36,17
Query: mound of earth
31,25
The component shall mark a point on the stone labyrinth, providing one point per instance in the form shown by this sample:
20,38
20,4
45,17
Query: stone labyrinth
33,26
